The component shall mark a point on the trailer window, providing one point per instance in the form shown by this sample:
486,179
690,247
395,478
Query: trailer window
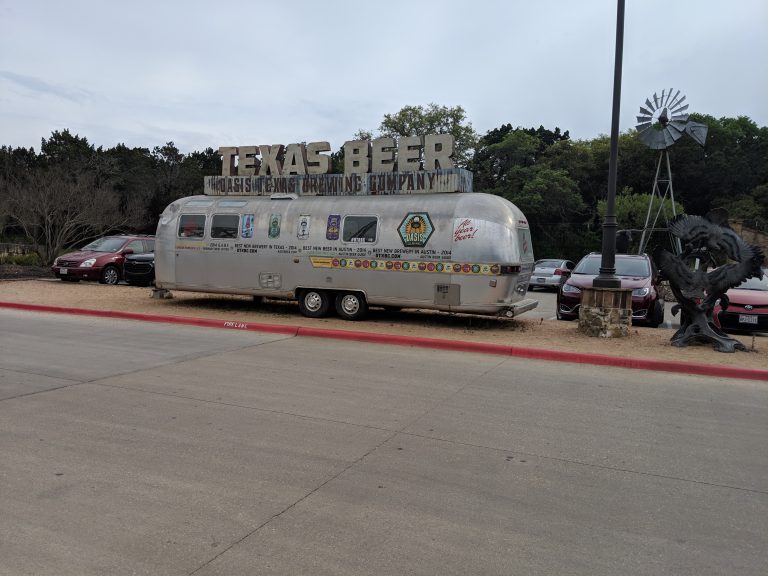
360,228
225,225
192,225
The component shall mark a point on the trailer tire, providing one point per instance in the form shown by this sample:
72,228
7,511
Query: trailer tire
351,305
314,303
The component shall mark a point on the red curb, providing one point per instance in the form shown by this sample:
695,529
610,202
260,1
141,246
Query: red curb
435,343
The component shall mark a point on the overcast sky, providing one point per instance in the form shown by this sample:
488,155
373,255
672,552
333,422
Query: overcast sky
203,73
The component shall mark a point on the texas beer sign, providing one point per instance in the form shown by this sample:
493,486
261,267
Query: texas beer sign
410,165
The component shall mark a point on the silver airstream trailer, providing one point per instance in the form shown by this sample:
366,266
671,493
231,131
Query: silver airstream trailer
457,252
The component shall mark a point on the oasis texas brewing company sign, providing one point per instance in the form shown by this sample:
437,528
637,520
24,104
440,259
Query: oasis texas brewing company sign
411,165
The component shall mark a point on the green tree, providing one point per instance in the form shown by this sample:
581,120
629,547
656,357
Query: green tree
431,119
632,210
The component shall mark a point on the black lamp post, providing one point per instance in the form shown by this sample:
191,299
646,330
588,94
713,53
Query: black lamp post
607,277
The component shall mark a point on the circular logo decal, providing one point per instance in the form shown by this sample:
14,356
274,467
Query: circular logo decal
495,269
343,263
457,267
335,262
389,265
475,268
398,265
431,267
358,264
422,266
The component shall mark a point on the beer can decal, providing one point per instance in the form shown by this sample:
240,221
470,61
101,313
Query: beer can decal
274,225
334,225
246,230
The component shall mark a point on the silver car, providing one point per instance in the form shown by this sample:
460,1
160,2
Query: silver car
550,273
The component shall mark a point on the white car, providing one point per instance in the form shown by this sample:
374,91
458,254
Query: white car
550,273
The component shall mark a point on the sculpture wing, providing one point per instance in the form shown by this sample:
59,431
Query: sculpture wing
691,229
734,246
678,274
731,275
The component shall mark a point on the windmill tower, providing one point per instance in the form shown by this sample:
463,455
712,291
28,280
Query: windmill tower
662,121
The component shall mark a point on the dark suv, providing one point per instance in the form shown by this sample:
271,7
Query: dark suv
635,271
102,259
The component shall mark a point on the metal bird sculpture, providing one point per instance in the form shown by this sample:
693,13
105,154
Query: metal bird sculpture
699,290
701,236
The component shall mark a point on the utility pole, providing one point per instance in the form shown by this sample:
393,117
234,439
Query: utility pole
607,277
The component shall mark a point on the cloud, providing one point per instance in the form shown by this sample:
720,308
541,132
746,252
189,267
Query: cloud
38,86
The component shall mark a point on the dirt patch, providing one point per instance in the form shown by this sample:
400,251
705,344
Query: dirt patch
529,333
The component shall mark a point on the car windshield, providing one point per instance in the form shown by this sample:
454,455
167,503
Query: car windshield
755,283
547,263
624,266
104,245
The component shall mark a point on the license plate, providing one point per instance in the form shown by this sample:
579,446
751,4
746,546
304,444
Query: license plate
542,279
62,271
747,319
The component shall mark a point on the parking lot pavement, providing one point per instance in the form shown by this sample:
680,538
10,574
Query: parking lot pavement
548,305
135,448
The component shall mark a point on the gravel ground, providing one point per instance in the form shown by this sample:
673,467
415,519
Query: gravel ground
29,287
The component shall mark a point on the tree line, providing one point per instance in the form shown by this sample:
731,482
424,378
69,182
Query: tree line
70,191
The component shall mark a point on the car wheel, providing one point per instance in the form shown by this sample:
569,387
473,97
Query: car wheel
559,316
657,317
314,303
110,275
351,305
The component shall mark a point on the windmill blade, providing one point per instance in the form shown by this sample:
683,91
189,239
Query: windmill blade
661,100
680,103
645,111
678,125
643,126
680,118
675,130
656,100
669,97
697,131
654,139
673,103
680,109
643,119
649,105
669,139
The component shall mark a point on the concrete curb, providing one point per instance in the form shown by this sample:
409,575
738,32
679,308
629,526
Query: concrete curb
434,343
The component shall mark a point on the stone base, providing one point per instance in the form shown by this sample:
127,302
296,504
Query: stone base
605,312
161,294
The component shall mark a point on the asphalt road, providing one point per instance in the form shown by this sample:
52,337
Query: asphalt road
138,448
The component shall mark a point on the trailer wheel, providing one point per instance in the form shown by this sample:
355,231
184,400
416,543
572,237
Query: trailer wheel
351,305
314,303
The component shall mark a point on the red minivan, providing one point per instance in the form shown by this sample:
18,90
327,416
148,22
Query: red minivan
102,259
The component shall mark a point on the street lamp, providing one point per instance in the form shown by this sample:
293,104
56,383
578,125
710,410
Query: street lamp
607,277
